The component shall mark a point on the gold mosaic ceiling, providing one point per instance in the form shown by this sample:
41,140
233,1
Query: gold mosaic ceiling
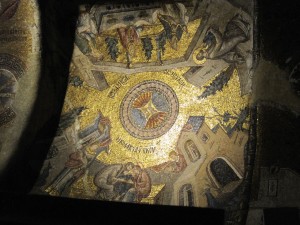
154,151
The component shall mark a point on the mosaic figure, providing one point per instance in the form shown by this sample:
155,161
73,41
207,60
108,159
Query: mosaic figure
129,37
176,163
86,30
73,170
114,181
224,46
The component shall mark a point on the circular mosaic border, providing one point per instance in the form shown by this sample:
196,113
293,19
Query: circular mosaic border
126,107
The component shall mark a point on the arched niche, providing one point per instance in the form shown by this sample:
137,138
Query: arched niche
186,195
192,150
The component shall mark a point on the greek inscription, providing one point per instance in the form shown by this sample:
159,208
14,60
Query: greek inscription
176,77
116,87
136,149
12,35
128,6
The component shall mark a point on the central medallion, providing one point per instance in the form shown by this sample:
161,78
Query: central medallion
149,109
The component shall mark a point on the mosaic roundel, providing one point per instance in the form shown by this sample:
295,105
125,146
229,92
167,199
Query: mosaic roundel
149,110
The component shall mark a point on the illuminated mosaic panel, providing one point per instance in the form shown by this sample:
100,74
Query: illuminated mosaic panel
157,105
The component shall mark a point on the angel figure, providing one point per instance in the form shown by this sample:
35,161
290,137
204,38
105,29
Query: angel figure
224,46
174,20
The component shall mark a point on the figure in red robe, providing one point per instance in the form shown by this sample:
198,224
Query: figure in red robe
129,38
176,164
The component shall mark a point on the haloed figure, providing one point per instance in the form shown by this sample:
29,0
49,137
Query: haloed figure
129,37
86,30
73,170
175,164
225,46
142,185
114,181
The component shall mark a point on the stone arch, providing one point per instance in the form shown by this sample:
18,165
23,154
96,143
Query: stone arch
222,172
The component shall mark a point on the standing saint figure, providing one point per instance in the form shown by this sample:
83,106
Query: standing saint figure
73,170
96,136
129,37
